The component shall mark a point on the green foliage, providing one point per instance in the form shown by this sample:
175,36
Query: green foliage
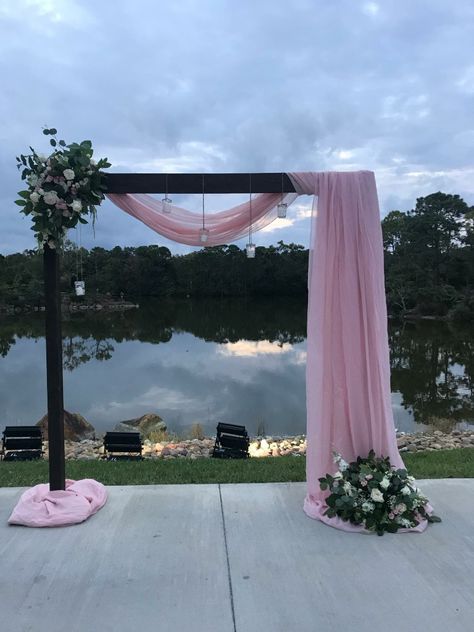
429,258
442,464
371,493
152,272
62,188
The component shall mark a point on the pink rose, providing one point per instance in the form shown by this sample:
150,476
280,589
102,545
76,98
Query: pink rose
369,477
391,516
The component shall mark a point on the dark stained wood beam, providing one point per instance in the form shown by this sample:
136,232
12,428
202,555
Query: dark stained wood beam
187,183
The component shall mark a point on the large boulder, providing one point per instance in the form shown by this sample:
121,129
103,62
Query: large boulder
145,425
76,428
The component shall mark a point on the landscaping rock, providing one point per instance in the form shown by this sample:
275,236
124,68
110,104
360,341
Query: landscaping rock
261,448
76,428
146,425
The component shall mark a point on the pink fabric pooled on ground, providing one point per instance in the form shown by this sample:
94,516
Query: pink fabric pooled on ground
40,507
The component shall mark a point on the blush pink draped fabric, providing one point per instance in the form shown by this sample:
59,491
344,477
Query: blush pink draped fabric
348,371
39,507
183,226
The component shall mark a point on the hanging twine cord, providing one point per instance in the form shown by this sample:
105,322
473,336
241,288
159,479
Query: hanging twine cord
250,208
203,222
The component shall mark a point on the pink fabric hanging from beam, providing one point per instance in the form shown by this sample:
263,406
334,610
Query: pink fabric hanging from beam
183,226
348,393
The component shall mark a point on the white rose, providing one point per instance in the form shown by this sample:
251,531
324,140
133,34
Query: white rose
40,191
367,507
406,491
42,157
385,483
77,206
376,495
32,180
51,197
34,197
69,174
93,162
347,488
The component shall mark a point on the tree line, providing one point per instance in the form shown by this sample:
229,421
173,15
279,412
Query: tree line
429,266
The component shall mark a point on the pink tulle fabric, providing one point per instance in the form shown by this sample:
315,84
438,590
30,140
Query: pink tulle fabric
39,507
184,226
348,371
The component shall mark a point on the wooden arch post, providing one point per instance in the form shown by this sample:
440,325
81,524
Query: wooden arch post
178,183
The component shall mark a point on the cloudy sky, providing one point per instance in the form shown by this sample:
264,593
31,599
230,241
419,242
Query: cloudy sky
253,85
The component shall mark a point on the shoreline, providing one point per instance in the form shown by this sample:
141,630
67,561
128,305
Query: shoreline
260,447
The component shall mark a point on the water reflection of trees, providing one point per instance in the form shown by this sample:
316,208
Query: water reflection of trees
77,351
432,367
432,363
91,336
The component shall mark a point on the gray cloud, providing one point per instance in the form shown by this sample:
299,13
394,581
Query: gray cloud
220,85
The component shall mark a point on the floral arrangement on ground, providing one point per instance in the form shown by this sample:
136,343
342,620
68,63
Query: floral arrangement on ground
63,188
371,493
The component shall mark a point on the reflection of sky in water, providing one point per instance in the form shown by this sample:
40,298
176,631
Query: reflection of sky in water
186,380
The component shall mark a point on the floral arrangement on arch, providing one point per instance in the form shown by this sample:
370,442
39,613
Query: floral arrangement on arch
63,188
371,493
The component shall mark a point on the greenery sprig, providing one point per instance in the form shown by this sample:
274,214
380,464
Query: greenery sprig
371,493
63,188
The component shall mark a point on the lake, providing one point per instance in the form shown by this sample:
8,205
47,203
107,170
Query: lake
241,361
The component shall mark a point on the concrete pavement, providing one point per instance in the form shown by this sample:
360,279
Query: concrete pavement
235,558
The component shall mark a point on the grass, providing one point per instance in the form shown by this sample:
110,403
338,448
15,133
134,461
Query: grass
440,464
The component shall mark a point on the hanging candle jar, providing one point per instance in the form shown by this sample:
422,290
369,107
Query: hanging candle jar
281,209
250,250
166,201
80,288
203,235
